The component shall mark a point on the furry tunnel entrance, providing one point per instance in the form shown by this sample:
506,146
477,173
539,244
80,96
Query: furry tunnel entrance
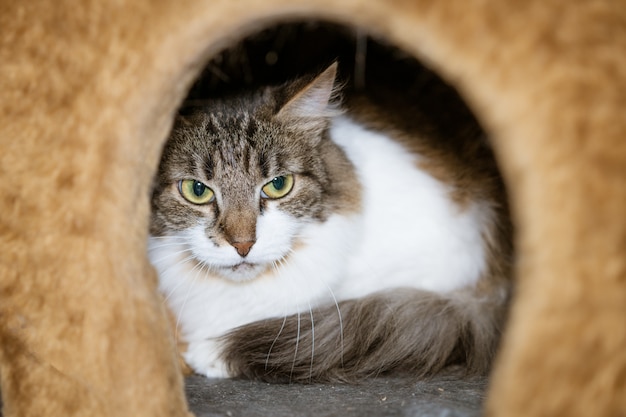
428,110
90,93
517,86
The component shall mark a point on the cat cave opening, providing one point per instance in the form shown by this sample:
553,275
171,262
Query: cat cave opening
334,211
366,64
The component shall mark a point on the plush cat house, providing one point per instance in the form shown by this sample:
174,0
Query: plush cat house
89,92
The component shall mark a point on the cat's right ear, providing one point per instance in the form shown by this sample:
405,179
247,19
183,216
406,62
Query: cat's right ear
310,107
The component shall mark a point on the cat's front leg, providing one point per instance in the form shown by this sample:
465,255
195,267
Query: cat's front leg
204,357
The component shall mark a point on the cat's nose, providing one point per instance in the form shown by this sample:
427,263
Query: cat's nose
243,248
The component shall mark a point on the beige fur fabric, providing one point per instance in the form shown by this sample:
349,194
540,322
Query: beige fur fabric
87,94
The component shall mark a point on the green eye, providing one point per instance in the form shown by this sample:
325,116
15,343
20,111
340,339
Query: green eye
195,192
278,187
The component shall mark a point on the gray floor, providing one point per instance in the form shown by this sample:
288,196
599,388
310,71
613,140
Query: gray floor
447,395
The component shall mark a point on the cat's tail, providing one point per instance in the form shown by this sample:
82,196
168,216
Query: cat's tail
403,330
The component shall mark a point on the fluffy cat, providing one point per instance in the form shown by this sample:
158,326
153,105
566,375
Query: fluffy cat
297,241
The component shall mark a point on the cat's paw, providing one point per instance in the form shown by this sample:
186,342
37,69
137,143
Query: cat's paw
204,358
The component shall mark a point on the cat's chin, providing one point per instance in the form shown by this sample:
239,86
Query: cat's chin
242,272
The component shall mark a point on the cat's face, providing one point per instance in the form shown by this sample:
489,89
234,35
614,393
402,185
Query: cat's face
239,180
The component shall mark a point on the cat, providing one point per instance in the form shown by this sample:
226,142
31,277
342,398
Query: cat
300,240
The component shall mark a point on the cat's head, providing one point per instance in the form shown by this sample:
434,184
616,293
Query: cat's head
242,177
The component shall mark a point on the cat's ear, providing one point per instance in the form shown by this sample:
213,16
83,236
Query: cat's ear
310,107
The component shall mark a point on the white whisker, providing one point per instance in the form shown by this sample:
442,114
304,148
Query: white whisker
173,290
164,258
198,268
155,246
332,294
181,281
312,341
269,352
336,303
275,266
280,265
167,237
295,354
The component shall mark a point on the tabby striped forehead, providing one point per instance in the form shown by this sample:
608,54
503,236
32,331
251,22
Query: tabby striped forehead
240,144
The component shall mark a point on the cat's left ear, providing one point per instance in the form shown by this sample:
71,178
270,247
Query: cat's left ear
310,107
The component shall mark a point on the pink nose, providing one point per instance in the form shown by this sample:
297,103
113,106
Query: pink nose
243,248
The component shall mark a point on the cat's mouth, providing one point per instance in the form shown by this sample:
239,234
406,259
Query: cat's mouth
244,266
243,271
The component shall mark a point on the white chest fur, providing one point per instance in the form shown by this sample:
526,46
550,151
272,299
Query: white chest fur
413,234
